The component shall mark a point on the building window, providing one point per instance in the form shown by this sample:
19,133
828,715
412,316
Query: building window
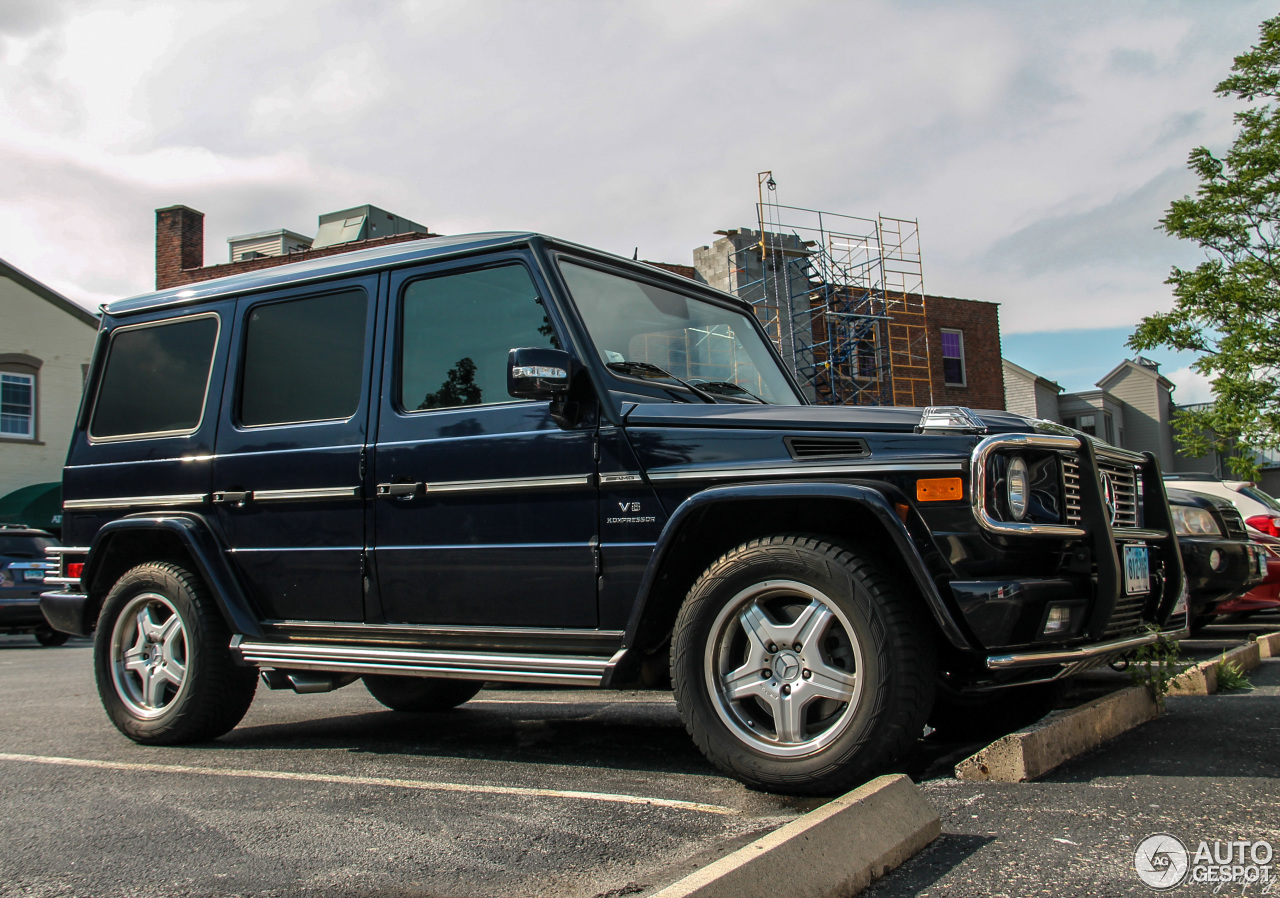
17,406
953,358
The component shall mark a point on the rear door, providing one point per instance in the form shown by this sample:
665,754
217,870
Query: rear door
290,454
488,513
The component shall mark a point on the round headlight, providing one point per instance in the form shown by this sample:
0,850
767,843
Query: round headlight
1018,486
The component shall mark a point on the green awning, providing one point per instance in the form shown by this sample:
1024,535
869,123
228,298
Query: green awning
38,505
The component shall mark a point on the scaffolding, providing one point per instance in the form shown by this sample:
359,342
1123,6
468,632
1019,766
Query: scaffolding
842,297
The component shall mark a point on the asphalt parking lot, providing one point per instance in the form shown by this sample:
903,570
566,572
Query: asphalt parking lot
530,792
517,793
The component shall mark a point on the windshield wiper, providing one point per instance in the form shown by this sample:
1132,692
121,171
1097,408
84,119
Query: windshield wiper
646,371
731,390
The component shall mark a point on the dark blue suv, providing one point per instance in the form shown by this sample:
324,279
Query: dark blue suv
503,457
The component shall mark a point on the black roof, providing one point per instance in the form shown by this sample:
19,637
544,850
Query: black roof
356,261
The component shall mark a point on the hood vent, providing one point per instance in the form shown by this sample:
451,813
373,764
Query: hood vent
826,447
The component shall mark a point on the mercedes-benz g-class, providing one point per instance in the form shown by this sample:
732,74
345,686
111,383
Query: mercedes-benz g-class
508,458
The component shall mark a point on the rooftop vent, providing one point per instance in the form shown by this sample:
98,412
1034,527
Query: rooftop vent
361,223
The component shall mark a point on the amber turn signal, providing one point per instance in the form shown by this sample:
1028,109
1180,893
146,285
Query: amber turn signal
941,489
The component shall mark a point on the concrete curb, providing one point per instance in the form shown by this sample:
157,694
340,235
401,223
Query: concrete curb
1202,679
1269,646
832,852
1034,751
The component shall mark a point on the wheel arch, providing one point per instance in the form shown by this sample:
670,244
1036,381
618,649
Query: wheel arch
185,539
716,520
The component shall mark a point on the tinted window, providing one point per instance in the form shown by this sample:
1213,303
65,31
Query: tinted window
457,331
698,341
304,359
155,379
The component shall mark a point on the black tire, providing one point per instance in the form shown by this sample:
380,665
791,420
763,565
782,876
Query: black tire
961,716
136,661
764,736
420,694
50,637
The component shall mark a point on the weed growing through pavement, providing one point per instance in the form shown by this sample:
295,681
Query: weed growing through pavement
1155,665
1231,677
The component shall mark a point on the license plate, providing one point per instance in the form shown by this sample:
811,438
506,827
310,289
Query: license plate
33,575
1137,571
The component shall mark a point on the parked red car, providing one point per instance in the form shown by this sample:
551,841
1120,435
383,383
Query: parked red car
1266,595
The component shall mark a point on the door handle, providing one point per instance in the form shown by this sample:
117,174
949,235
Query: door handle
231,497
400,490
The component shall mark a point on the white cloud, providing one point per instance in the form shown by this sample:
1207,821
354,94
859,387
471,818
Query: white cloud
1036,143
1192,386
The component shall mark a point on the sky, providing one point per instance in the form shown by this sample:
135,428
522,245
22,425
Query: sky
1037,142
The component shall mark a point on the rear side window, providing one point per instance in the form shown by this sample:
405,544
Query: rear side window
304,359
156,379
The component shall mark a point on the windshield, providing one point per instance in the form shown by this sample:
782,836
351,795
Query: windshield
699,342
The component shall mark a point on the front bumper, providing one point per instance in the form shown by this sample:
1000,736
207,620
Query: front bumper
1236,573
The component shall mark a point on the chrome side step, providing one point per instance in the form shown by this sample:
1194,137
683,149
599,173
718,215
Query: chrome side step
561,670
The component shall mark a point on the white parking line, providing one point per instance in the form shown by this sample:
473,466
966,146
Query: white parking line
386,782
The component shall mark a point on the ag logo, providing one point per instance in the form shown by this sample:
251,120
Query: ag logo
1161,861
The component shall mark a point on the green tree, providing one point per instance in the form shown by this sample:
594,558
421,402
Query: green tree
1227,308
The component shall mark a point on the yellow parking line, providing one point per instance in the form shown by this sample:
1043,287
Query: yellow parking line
387,782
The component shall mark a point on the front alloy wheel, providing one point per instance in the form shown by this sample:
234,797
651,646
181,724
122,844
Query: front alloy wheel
782,665
800,666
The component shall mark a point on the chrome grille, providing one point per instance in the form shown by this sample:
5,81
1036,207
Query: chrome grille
1124,490
1071,486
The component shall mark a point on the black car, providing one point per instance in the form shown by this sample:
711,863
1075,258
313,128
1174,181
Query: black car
22,572
504,457
1221,562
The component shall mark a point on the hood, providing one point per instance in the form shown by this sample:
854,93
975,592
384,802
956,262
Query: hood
865,419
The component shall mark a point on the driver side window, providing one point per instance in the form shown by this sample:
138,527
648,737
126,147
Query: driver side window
456,331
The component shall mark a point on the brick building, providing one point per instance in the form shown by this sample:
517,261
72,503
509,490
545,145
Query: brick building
180,243
885,359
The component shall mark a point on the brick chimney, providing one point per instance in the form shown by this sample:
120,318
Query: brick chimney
179,244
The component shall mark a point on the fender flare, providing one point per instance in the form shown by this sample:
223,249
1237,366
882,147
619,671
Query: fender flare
206,551
866,497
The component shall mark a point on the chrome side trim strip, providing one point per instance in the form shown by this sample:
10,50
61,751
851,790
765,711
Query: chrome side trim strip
800,470
507,483
569,670
485,546
66,550
1070,656
452,629
138,501
327,492
243,549
979,486
610,479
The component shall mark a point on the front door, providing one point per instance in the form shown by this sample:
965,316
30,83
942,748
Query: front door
487,508
288,472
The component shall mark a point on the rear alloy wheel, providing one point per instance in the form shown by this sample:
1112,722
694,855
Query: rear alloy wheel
419,694
800,667
162,659
49,637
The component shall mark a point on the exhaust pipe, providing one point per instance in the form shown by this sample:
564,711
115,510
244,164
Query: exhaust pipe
306,683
